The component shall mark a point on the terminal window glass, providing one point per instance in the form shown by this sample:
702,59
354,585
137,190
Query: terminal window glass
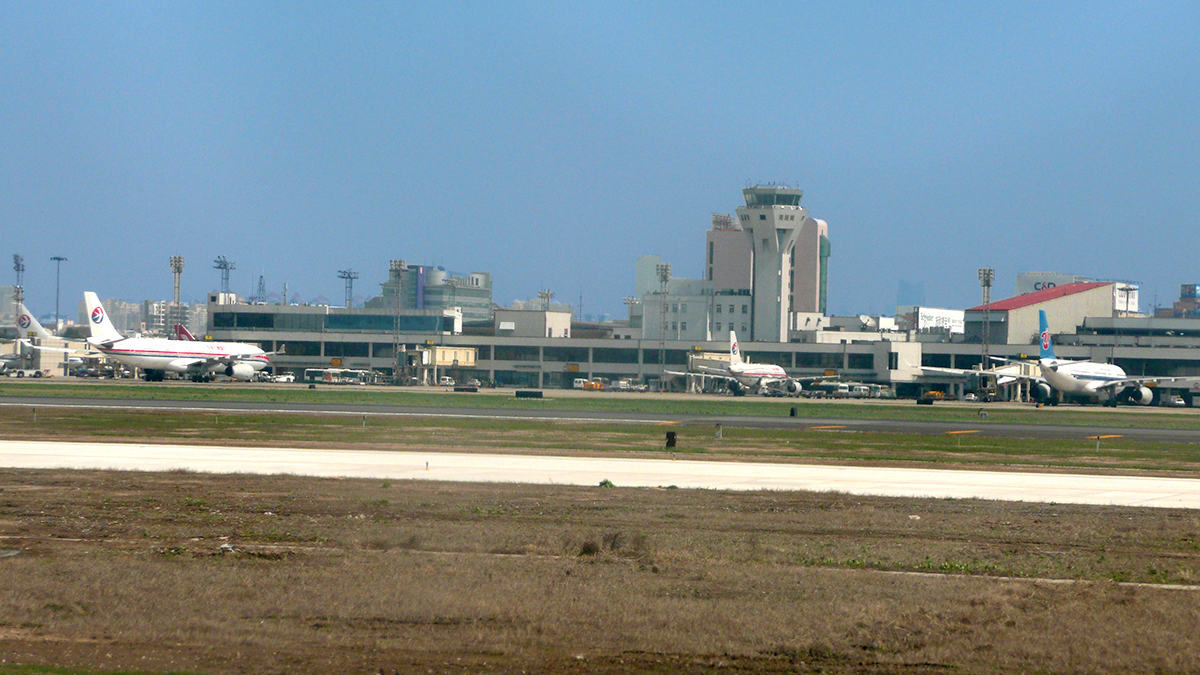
255,320
609,355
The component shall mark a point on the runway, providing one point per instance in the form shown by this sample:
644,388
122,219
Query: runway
682,473
983,426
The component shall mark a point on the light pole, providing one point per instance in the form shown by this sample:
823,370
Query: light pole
986,276
58,261
663,271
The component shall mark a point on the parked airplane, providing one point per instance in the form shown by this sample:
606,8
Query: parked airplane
743,376
1106,382
29,326
156,356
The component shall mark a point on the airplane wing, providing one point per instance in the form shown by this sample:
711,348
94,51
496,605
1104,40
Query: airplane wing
1187,382
62,350
1001,377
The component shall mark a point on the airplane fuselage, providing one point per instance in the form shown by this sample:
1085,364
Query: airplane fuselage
1080,377
182,356
753,375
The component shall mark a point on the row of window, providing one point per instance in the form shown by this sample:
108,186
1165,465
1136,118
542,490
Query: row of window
717,327
745,309
600,355
332,322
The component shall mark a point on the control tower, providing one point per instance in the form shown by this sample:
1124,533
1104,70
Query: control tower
772,219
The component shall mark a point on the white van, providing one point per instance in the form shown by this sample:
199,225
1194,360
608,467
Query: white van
580,382
446,381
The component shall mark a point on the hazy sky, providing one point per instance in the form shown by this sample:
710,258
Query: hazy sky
551,144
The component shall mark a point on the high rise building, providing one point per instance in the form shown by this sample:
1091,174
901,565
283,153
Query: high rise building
810,268
727,256
772,221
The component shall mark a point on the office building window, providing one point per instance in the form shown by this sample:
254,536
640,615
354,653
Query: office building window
718,309
682,325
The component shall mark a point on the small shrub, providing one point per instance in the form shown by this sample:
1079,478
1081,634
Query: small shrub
607,483
590,548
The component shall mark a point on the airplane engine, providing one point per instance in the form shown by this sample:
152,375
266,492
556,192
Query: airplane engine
1042,391
737,388
240,371
1142,396
792,388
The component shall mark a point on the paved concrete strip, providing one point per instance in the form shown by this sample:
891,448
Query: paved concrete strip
683,473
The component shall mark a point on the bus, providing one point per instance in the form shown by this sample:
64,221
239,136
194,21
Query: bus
339,376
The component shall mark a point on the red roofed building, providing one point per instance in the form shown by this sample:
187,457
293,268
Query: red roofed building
1015,320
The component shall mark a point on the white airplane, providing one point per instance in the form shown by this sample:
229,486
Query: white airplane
744,376
156,356
1105,382
28,324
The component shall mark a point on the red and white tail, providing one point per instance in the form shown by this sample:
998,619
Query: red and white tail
182,333
735,352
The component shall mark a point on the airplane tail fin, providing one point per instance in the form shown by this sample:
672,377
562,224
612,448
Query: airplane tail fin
735,352
102,328
182,333
1044,337
29,324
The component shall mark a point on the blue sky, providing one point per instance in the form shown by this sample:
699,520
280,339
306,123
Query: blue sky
552,144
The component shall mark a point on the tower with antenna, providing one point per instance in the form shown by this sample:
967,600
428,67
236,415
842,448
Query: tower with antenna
349,275
225,265
260,293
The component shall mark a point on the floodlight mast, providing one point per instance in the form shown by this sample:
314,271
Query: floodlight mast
176,262
349,275
224,264
986,276
58,261
663,270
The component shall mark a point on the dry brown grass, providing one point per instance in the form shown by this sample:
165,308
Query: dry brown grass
127,571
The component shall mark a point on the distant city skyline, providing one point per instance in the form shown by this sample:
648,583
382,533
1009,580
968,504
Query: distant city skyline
552,145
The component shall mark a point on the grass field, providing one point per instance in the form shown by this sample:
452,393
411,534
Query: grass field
128,572
698,405
108,572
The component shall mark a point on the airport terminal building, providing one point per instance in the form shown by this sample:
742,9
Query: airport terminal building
538,349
